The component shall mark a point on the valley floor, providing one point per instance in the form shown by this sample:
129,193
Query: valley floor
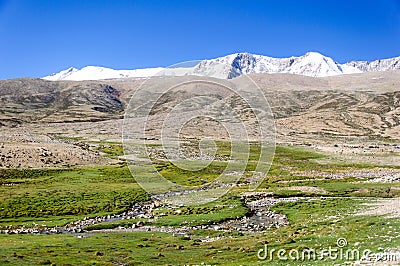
68,198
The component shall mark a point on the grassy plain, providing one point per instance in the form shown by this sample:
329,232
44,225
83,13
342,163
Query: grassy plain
327,213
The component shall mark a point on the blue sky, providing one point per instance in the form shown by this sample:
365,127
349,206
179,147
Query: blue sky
40,37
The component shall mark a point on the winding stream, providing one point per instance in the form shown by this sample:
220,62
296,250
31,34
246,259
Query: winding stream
260,218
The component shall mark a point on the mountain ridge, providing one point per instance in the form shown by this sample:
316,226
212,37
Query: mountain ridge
364,104
311,64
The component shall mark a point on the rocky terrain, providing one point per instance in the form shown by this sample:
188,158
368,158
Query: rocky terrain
36,100
33,146
346,116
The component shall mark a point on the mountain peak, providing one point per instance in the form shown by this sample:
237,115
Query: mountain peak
62,74
72,69
312,64
314,54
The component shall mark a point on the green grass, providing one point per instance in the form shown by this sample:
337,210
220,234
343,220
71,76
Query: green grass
311,226
111,150
290,162
343,188
303,159
57,196
40,193
339,221
347,187
51,194
191,178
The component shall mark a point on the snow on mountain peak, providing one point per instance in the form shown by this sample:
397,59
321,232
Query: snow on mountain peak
98,73
377,65
311,64
230,66
315,64
62,74
314,55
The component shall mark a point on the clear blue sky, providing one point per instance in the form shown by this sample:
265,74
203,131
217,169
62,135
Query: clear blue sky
39,37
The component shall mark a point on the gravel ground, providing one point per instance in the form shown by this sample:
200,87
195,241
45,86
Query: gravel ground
387,207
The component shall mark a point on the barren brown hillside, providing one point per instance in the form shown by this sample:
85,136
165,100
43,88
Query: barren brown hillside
345,115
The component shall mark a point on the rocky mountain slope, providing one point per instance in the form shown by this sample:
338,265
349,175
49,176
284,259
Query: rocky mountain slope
32,100
348,115
366,104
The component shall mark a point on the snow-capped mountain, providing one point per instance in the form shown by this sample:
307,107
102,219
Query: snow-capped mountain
311,64
377,65
96,73
64,74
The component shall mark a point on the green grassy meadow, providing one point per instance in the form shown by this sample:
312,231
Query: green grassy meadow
55,197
